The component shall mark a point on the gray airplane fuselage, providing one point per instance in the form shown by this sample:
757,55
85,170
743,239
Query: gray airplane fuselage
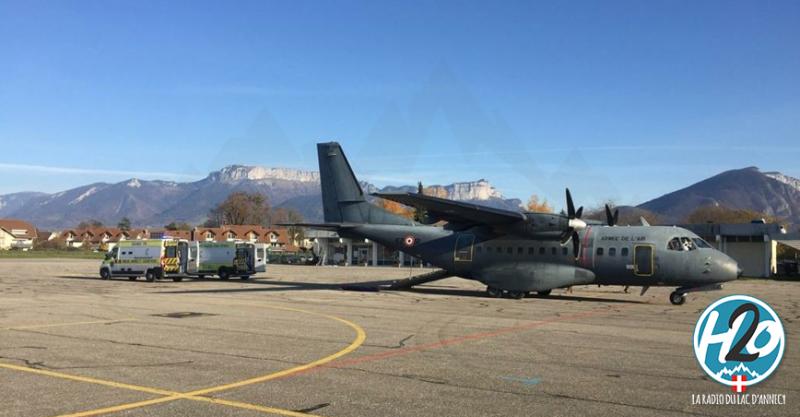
620,255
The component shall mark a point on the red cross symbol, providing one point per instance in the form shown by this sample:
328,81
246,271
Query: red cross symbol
738,385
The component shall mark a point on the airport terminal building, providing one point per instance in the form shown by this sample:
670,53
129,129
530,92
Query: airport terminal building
753,245
333,249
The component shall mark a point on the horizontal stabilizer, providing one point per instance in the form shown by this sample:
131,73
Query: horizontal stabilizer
319,226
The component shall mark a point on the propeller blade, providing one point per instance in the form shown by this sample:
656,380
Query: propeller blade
576,244
565,237
616,216
609,216
570,206
579,213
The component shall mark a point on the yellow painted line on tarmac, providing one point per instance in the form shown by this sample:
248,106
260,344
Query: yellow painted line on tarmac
198,395
361,335
87,379
74,323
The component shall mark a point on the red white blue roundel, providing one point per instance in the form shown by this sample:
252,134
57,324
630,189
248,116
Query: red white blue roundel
739,341
409,240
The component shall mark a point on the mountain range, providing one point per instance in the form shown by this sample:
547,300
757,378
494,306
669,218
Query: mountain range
155,203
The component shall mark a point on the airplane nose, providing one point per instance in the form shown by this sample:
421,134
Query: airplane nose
730,269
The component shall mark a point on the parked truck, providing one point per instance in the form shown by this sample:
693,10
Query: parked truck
152,258
225,259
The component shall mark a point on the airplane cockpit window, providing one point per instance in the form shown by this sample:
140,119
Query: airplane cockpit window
683,244
700,243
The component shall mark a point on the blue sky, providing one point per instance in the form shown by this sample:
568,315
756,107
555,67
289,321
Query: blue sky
620,100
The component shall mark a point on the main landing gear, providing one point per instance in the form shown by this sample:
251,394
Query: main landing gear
493,292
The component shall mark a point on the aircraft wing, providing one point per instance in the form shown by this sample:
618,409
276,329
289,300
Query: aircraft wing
455,211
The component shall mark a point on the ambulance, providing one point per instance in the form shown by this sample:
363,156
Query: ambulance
225,259
152,258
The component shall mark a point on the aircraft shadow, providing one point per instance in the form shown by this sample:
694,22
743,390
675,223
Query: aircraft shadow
363,286
552,297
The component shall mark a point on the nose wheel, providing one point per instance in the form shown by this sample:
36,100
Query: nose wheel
677,298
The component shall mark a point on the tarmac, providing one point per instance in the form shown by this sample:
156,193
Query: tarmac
291,342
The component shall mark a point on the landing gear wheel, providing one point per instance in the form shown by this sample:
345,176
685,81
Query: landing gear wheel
245,277
150,275
517,295
105,273
544,293
224,274
132,278
201,276
494,292
177,279
677,298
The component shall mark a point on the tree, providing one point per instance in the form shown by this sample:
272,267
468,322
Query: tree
240,208
721,214
396,208
420,214
535,206
124,224
178,226
288,215
90,223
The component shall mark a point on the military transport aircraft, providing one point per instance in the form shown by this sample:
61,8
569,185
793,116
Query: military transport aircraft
515,253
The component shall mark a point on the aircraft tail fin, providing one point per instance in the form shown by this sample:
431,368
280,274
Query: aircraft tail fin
343,200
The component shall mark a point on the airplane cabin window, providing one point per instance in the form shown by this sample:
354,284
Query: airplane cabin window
520,250
674,244
564,251
623,252
510,250
612,251
599,251
530,250
553,251
541,251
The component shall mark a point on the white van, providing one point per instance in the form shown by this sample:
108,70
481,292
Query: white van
152,258
224,259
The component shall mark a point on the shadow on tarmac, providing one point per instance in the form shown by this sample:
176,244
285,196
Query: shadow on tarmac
364,286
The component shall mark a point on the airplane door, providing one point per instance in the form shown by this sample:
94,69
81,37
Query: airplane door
463,251
643,256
